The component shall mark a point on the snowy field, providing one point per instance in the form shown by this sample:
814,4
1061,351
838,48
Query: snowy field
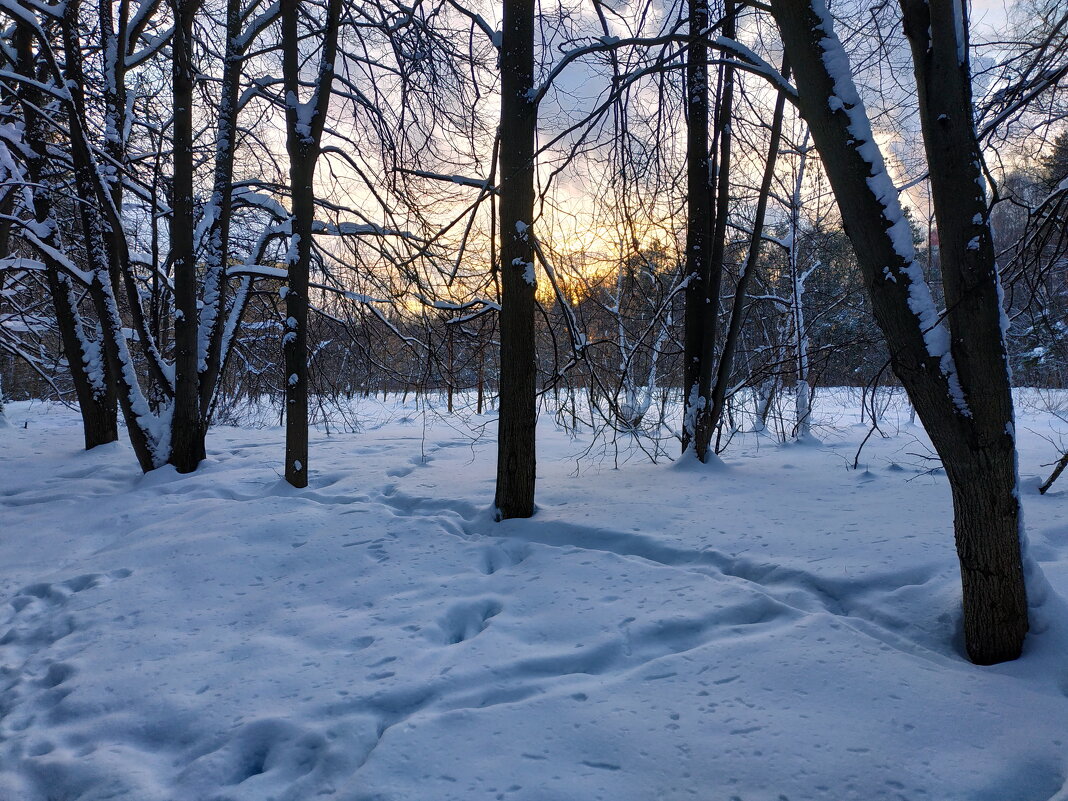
778,628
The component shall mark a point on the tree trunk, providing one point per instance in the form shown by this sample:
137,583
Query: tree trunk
956,379
756,238
304,131
517,418
986,525
698,219
187,428
210,354
480,385
1062,463
704,425
986,496
107,256
295,340
95,392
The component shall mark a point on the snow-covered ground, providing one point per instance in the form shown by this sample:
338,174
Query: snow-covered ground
776,629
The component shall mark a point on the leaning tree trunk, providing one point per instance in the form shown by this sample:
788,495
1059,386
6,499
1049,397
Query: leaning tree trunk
957,379
518,415
756,239
986,496
107,257
1062,463
213,317
97,401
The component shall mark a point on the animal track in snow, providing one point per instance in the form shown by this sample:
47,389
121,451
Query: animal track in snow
501,556
37,620
277,750
467,620
58,672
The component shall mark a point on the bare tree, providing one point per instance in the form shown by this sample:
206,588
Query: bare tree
305,120
517,417
956,377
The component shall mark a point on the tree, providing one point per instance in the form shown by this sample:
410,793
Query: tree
698,262
93,386
187,438
517,418
304,131
1055,164
955,375
749,269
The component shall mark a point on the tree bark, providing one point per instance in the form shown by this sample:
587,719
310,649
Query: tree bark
986,499
304,131
704,425
698,218
957,379
517,417
95,392
107,256
213,315
187,428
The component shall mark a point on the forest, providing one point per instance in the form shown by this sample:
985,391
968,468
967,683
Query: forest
393,354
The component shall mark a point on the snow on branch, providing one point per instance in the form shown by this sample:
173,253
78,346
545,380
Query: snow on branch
755,64
846,99
357,229
258,271
461,180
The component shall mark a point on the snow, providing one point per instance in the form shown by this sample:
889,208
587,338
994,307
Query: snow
529,274
776,627
304,113
959,32
846,99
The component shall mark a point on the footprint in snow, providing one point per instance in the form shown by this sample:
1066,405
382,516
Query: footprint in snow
263,756
36,619
467,620
499,557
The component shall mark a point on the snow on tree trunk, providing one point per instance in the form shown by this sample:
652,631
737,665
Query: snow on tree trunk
957,378
95,392
518,413
698,218
304,130
187,431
